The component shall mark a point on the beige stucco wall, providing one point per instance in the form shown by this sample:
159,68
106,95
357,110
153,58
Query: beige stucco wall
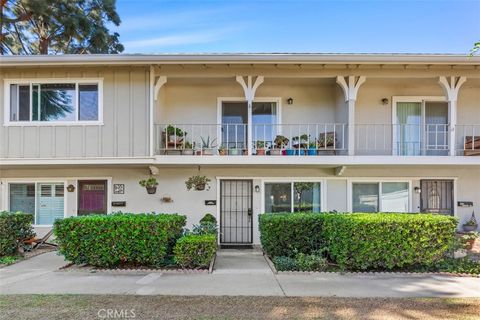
125,129
191,203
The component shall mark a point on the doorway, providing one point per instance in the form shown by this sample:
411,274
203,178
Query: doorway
92,197
236,212
437,196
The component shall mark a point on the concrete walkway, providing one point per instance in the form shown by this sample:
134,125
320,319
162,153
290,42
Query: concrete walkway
236,273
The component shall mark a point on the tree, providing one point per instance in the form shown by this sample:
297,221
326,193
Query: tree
475,49
58,26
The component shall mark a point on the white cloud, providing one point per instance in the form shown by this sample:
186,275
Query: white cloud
176,40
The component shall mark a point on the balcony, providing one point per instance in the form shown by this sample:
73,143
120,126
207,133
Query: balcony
267,139
326,139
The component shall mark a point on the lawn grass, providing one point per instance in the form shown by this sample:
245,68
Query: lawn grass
53,307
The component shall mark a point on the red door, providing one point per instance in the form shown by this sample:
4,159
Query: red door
92,197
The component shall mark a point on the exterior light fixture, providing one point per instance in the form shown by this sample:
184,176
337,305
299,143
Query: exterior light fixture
417,190
70,188
385,101
290,100
257,188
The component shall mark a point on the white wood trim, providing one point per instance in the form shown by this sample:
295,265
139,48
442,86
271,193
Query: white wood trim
30,81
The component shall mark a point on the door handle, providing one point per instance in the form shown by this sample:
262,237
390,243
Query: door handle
249,211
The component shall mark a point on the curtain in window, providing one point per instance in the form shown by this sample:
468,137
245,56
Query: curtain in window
409,131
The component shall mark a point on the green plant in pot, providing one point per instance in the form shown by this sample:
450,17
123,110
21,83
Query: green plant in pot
312,148
208,146
260,147
222,150
187,148
150,184
175,134
279,144
471,224
300,141
198,183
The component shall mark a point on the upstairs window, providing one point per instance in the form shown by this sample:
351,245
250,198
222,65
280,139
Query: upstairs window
62,102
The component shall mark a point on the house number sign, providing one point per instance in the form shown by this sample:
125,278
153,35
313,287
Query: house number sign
118,188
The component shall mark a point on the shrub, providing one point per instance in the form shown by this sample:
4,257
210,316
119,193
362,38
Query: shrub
208,218
285,234
388,240
283,263
118,239
195,251
204,228
14,228
311,262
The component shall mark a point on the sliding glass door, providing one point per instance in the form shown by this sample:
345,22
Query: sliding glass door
235,123
421,128
44,200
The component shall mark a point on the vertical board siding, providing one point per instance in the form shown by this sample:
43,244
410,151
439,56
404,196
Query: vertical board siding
125,119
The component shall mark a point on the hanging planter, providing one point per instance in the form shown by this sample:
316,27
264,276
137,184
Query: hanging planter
150,185
198,183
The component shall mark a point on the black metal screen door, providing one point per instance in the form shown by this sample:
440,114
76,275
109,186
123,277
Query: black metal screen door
236,212
437,196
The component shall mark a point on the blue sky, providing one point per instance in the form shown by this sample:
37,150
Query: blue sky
426,26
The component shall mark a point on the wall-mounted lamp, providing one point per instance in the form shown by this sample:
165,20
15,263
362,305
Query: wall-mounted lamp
257,188
290,100
70,188
417,190
385,101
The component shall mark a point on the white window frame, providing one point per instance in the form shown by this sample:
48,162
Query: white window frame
323,190
30,82
221,100
36,182
419,99
350,183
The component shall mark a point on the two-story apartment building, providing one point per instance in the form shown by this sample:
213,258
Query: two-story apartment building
273,132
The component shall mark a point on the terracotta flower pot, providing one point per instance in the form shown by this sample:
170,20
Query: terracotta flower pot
200,187
260,152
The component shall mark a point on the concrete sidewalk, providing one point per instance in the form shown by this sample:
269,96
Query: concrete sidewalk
237,273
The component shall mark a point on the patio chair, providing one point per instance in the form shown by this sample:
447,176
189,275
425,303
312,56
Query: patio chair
37,242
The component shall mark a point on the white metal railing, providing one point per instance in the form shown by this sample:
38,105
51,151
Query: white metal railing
402,139
467,137
267,139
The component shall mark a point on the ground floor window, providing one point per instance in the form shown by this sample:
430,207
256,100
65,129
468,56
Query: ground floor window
296,196
44,200
380,196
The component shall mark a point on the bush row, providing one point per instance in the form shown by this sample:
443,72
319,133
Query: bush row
118,239
360,241
195,251
14,228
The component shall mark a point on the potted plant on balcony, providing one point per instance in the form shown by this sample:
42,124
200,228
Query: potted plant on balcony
260,146
312,148
208,146
222,150
235,151
300,143
471,224
149,184
174,135
187,149
198,183
279,144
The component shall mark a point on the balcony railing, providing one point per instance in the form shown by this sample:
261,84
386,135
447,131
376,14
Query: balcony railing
316,139
266,139
402,139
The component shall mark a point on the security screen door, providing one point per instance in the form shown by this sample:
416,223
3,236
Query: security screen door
437,196
236,225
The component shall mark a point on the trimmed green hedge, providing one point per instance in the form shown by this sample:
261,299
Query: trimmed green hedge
388,241
14,228
285,234
118,239
195,251
360,241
